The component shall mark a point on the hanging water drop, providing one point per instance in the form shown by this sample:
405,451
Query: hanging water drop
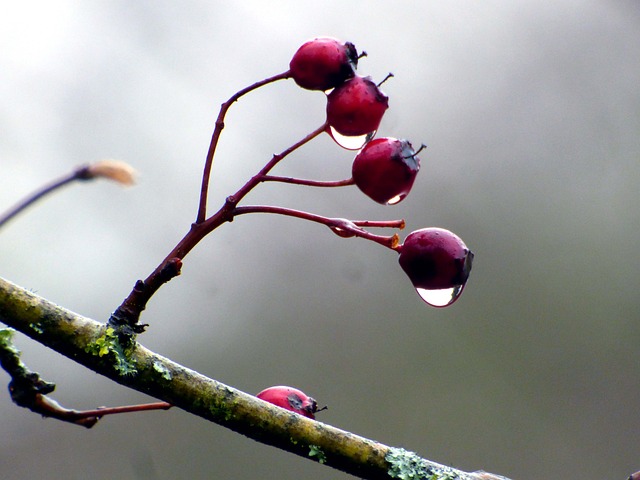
442,297
341,230
395,199
438,264
350,143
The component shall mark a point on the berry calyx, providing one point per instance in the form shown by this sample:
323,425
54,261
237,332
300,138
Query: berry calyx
290,398
356,107
438,264
323,63
385,169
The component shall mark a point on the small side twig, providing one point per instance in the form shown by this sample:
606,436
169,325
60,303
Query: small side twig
30,391
112,169
38,194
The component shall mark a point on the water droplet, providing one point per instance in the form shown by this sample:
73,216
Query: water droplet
350,143
343,232
440,297
395,199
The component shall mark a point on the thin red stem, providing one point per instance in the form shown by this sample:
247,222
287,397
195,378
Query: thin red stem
399,224
128,313
48,407
308,183
256,179
101,412
340,226
204,189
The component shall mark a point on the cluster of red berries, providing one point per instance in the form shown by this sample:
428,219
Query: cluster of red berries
355,104
385,168
436,260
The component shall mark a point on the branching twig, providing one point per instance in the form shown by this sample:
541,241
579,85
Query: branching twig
204,189
28,390
340,226
92,345
127,315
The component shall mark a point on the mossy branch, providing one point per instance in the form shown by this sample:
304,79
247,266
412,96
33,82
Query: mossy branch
93,345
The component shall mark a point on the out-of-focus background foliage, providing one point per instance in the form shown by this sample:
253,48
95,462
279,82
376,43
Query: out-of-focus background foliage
531,113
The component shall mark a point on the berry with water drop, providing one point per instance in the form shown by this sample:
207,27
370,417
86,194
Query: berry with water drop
356,107
385,169
436,260
323,63
291,399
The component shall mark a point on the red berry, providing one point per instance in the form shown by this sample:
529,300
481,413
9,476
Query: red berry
385,169
438,264
323,63
291,399
356,107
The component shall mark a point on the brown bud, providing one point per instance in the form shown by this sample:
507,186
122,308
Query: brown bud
116,170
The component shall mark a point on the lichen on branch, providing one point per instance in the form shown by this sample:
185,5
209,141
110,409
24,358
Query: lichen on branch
73,336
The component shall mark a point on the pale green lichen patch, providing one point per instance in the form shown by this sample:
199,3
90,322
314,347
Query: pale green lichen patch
6,340
409,466
316,452
108,344
36,327
162,370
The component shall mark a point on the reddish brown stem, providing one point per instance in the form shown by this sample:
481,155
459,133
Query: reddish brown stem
204,189
143,407
399,224
340,226
127,314
308,183
48,407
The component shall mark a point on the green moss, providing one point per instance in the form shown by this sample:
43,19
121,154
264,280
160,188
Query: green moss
6,340
108,345
316,451
409,466
220,410
36,327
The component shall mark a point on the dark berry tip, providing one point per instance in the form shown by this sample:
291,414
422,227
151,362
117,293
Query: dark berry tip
352,53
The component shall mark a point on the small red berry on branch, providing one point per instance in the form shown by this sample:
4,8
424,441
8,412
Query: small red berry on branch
385,169
438,264
323,63
356,107
292,399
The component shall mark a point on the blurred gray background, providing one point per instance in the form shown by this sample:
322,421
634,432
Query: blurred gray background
531,113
